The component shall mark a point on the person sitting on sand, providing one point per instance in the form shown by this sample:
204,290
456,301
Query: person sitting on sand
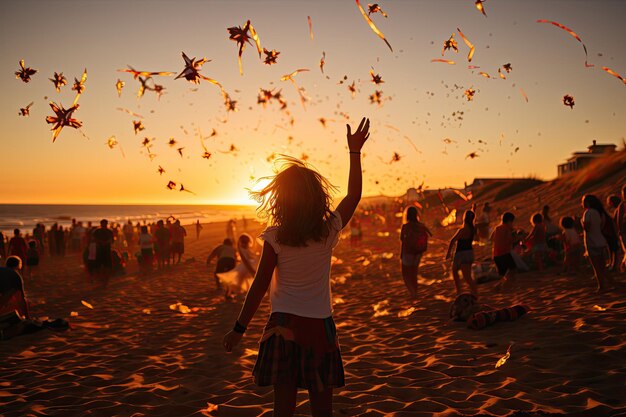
573,246
464,253
502,240
238,280
299,347
225,254
414,237
595,241
12,294
537,240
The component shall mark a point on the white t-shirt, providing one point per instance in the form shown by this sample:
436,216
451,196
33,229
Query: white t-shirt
145,241
592,220
301,284
572,238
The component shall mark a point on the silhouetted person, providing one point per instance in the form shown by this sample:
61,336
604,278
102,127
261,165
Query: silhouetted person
103,237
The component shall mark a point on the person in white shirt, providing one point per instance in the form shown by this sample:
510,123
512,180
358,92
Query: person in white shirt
299,347
595,242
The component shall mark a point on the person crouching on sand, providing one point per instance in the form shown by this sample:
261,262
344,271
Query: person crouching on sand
502,240
299,347
464,253
225,254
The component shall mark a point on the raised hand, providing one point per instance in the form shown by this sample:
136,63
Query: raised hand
356,140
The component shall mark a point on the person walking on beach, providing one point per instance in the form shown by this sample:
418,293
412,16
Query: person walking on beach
502,244
178,233
198,229
299,347
594,220
231,230
464,253
414,237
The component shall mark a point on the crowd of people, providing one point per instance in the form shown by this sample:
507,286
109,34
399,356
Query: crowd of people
598,235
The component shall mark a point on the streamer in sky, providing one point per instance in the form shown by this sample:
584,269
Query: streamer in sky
472,155
24,73
469,45
241,36
138,126
445,61
613,73
323,61
310,27
469,94
571,32
289,77
568,101
372,25
136,74
62,118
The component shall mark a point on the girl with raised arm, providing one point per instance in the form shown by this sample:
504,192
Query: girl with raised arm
299,347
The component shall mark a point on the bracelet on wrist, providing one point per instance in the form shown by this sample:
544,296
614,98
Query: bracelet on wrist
239,328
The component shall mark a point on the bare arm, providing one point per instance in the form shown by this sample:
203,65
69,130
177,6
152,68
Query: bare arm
452,241
355,180
213,254
255,295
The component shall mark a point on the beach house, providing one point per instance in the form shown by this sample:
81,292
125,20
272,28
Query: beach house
579,160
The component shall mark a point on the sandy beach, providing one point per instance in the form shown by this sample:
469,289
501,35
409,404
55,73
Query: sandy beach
132,355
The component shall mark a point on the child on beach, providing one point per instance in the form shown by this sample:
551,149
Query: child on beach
572,244
537,240
238,279
299,347
414,236
502,240
464,254
225,254
32,258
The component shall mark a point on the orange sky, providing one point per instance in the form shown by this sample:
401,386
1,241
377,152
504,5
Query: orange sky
423,100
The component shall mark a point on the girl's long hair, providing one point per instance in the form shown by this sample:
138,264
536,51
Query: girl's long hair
468,220
591,201
297,200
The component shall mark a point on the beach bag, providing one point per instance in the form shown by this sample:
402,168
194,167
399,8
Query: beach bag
416,240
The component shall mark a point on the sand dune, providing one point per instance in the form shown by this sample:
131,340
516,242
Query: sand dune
131,355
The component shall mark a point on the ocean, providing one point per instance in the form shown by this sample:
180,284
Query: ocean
25,216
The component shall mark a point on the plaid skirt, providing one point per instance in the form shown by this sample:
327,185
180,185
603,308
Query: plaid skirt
301,350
